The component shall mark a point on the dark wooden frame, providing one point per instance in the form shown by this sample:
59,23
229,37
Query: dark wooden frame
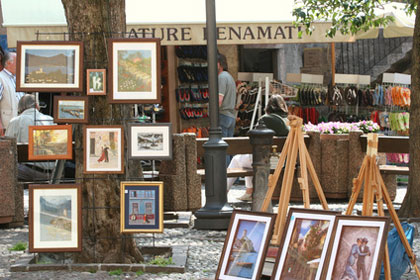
69,151
143,185
285,233
78,188
85,146
111,95
58,98
227,247
42,88
168,143
335,242
88,71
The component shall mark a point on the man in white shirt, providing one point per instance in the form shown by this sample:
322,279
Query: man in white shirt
9,98
29,115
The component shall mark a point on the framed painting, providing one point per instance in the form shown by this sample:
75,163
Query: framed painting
55,218
50,142
245,245
96,81
134,71
70,109
305,243
150,141
49,66
357,248
104,149
141,207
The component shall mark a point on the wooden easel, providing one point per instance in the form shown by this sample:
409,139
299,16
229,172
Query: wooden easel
293,146
370,176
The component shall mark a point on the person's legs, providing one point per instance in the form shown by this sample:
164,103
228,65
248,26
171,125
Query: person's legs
227,124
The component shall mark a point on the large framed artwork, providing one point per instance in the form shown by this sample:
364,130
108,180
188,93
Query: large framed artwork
55,218
141,207
104,149
245,245
305,243
49,66
70,109
357,248
134,70
96,81
50,142
150,141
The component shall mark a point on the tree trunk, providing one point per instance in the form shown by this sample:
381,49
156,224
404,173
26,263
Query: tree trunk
93,21
411,203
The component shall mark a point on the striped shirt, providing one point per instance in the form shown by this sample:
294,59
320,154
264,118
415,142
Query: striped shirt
12,77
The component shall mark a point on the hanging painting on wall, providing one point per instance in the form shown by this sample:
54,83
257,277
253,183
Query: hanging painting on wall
49,66
150,141
70,109
141,207
50,142
55,218
134,71
96,81
103,149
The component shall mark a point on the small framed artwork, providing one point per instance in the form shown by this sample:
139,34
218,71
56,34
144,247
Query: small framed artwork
50,142
141,207
150,141
245,245
55,218
305,243
104,151
49,66
70,109
134,71
96,81
357,248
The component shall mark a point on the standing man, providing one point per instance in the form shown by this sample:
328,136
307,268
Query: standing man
9,98
227,98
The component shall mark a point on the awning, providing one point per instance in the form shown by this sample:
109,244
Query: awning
180,22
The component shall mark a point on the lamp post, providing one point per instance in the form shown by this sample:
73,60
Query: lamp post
216,212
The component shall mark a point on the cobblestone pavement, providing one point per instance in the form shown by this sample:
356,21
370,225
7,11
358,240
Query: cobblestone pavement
203,255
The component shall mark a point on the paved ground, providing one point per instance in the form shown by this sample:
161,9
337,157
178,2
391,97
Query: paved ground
203,254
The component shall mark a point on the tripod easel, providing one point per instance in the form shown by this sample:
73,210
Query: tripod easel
370,176
293,146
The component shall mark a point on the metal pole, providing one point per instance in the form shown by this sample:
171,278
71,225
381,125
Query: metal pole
216,212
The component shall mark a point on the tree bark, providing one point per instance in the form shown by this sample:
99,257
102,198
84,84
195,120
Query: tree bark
93,21
411,203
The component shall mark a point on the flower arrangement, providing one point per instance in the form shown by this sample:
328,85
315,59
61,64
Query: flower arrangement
342,128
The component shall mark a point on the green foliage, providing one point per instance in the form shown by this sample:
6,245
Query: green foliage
20,246
43,262
161,261
116,272
139,272
92,271
346,16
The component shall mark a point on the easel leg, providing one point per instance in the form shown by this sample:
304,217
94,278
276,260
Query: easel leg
315,180
357,186
303,180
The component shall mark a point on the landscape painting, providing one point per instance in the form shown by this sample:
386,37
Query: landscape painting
70,109
50,142
104,149
49,66
245,245
96,82
55,218
142,207
358,246
150,141
134,70
305,244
